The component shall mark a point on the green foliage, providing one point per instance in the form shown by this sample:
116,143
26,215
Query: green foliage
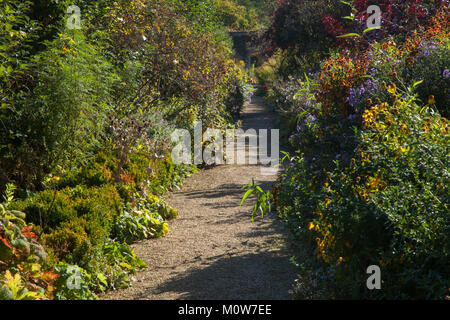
145,220
85,123
50,208
121,254
61,118
387,206
153,203
73,283
70,243
139,225
237,17
431,69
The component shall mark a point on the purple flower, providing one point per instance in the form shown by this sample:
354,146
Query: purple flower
352,117
310,119
353,97
361,91
356,94
446,73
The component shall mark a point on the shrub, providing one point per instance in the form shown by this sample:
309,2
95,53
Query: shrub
433,68
371,186
62,117
139,225
49,209
388,208
236,17
145,221
398,17
124,262
70,243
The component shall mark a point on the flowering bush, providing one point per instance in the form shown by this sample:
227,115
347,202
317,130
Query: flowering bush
370,184
397,17
388,207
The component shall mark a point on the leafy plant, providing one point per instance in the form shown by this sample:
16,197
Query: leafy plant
73,283
14,289
263,199
21,257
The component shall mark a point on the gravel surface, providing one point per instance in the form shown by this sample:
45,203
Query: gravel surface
213,250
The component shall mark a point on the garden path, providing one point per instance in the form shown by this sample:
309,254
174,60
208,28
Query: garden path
213,250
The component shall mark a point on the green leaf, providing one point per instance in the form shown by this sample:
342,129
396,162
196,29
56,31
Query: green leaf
246,195
101,277
370,29
126,265
417,83
349,35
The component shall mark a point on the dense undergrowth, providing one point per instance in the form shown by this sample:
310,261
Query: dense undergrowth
368,118
85,122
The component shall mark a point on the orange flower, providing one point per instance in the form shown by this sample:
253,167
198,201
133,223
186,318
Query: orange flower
431,100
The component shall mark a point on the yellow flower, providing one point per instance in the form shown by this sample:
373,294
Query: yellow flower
340,260
431,100
165,229
311,226
402,149
327,202
392,88
66,50
404,128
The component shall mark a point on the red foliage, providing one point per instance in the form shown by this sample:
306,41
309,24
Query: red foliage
26,231
5,242
398,16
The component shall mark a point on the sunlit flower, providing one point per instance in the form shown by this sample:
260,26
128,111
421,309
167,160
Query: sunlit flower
431,100
392,88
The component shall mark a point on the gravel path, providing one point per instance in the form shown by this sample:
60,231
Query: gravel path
213,250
